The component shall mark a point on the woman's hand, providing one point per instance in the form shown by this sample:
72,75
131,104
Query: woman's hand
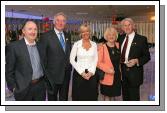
84,75
87,75
111,71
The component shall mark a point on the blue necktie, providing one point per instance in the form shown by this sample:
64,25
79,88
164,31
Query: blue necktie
62,41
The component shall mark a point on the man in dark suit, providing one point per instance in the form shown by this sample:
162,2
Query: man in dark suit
55,46
24,71
134,54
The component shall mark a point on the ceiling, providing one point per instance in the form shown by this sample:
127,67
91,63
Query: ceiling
84,11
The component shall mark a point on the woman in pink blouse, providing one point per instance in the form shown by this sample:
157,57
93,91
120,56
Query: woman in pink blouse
109,62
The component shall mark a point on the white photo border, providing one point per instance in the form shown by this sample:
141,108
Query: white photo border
156,102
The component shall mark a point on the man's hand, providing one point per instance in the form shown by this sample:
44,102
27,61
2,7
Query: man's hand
132,62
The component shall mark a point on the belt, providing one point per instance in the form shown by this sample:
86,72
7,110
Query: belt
37,80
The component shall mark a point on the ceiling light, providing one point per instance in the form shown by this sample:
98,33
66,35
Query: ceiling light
152,18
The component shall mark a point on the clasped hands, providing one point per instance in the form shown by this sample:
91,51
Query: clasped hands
86,75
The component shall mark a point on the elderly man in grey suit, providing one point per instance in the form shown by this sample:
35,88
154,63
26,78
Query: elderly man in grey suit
24,69
55,46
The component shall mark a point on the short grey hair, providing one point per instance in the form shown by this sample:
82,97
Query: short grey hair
58,14
110,30
129,20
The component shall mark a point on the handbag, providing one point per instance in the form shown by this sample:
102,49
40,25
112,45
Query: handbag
100,74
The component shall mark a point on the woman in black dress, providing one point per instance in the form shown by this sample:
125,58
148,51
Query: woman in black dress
84,58
111,55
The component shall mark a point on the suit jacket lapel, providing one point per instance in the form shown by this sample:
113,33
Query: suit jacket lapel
25,51
67,43
41,62
57,41
132,47
122,39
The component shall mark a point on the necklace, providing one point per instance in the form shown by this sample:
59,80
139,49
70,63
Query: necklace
113,52
112,48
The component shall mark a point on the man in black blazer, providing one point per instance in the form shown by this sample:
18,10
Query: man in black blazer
134,54
55,46
24,70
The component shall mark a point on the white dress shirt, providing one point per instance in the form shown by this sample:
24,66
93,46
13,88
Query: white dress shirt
86,59
58,35
30,44
130,39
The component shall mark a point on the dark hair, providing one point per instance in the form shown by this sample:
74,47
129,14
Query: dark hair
24,24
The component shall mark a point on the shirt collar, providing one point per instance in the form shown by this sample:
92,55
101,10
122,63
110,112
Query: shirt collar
57,32
131,35
30,44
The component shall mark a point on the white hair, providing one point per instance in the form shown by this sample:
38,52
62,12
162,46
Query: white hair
110,30
129,20
58,14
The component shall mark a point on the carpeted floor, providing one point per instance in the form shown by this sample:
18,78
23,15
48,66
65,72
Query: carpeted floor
147,89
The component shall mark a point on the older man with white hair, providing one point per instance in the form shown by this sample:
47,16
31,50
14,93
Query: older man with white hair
134,54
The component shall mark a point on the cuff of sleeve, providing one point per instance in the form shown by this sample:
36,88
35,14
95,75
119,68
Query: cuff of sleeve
137,62
13,89
92,71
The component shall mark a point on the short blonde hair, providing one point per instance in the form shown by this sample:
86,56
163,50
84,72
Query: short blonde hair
82,27
110,30
58,14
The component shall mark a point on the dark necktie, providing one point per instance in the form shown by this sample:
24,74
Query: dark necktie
124,50
62,41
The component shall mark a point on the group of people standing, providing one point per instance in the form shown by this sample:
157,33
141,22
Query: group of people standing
36,68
